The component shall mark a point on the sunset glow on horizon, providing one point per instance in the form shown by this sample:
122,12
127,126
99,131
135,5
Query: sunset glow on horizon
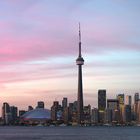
39,46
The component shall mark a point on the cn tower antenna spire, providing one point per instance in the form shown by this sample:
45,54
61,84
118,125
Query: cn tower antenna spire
79,40
79,33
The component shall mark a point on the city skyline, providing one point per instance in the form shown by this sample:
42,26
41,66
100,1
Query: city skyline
39,43
118,111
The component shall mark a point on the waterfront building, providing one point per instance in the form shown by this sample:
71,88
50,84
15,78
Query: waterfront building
135,106
94,116
14,114
64,103
127,115
101,116
101,105
136,98
113,104
128,100
66,115
121,99
6,114
101,100
138,111
54,110
71,112
87,114
73,116
108,116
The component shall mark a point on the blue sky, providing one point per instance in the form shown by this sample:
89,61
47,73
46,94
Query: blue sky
39,46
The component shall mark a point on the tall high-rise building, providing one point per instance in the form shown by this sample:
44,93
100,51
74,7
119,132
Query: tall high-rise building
80,62
138,112
14,114
6,115
136,106
64,103
101,100
136,97
54,110
94,116
113,105
128,100
127,114
120,98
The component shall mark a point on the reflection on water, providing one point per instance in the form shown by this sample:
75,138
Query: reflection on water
69,133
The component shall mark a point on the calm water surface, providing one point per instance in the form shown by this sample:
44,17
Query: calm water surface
69,133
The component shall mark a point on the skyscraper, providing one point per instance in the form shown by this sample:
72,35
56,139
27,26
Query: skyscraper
101,100
64,103
136,97
6,115
14,114
136,106
80,62
128,100
120,98
101,105
113,106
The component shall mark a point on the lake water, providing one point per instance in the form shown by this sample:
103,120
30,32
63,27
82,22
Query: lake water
69,133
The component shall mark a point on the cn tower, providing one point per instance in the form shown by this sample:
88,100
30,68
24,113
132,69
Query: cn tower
80,62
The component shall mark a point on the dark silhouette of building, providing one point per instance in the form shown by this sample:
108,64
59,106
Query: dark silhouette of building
54,110
120,98
21,112
64,103
66,115
136,97
80,62
113,105
6,115
101,100
14,114
94,116
108,116
87,114
127,114
136,100
40,104
30,108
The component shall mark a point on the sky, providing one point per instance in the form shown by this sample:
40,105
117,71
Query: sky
39,46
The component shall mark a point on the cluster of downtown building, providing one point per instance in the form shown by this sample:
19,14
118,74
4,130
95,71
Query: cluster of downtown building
118,111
